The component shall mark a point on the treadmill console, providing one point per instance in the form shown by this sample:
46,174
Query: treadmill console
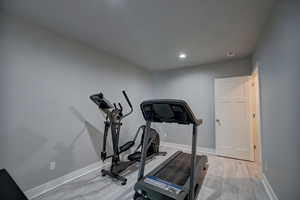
168,111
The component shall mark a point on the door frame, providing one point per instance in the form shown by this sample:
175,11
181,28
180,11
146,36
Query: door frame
258,115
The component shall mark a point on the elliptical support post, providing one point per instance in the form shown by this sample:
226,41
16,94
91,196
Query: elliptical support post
103,153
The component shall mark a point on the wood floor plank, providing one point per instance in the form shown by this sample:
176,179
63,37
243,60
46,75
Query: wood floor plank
226,179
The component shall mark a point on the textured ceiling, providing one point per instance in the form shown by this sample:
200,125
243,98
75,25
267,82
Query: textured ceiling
151,33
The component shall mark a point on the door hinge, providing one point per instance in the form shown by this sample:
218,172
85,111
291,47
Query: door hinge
253,115
254,146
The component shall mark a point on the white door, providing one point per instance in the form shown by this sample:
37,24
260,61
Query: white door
233,118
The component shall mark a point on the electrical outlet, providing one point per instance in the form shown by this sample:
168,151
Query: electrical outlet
52,165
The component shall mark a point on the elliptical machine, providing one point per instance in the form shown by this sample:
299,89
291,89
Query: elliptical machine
114,116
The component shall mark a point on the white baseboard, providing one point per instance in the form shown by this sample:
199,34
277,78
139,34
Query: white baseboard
185,147
42,189
269,188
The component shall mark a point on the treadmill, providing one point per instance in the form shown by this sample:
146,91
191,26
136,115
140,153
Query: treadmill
180,177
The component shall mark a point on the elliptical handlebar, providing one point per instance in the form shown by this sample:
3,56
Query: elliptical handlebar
120,106
129,103
127,99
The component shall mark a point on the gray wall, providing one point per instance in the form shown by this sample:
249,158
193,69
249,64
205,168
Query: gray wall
279,57
46,114
196,86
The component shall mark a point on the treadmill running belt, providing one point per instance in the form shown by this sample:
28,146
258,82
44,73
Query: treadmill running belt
178,170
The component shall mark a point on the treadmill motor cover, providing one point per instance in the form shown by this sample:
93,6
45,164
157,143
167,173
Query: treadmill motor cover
165,185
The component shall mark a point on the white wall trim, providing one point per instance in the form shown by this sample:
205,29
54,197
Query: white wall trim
185,147
269,188
46,187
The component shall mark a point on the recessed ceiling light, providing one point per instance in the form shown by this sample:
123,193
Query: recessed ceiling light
230,54
182,56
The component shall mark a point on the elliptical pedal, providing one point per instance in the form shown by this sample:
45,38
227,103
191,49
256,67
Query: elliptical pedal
136,156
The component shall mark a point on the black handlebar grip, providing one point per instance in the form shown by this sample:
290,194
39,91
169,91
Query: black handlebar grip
120,106
127,99
101,95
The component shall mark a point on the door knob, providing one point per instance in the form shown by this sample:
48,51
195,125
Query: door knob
218,121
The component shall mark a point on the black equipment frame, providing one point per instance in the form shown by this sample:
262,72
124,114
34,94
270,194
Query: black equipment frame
114,116
170,111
